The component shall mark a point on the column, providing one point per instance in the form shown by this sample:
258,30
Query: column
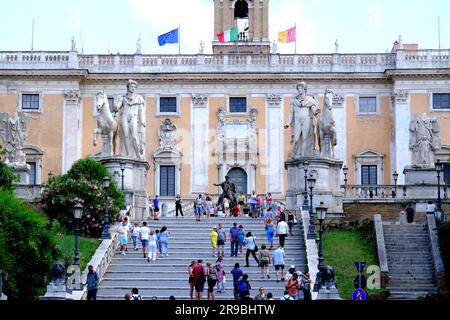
72,129
402,116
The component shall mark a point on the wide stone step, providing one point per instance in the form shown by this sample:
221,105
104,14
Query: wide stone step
394,282
183,267
415,288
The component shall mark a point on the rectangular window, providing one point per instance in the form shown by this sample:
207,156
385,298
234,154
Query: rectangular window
441,100
238,105
32,172
367,104
30,101
111,104
447,173
167,181
369,175
168,104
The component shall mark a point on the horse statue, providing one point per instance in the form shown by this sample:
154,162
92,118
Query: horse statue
107,125
327,127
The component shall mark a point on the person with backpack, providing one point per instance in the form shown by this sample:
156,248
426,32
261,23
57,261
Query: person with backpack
92,280
211,273
155,208
135,235
199,279
135,294
251,248
244,288
264,261
237,274
222,238
292,286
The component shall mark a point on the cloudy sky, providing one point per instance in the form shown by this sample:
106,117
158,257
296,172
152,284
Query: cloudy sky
102,26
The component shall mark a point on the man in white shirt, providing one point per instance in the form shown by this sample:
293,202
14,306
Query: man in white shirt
282,230
143,236
278,261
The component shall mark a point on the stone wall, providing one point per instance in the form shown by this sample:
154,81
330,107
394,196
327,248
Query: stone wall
388,211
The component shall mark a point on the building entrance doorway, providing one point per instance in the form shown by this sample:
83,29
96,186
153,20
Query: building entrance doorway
239,177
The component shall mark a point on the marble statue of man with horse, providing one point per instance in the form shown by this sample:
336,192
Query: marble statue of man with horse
126,121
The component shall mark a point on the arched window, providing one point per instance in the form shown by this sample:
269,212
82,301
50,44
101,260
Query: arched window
241,19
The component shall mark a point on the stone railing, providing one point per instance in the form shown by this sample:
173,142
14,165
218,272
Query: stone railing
381,249
435,250
367,192
199,63
28,192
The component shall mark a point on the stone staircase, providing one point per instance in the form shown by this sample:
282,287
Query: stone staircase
189,240
411,269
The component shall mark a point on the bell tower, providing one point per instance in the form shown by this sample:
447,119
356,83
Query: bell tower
250,17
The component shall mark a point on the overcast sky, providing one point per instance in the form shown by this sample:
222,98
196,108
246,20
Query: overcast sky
102,26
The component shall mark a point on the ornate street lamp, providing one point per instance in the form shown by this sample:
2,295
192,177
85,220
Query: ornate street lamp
311,231
439,212
395,175
77,213
122,167
345,171
305,193
105,234
321,213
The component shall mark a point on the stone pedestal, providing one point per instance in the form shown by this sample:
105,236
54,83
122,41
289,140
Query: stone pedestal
421,183
135,178
327,188
24,173
55,292
328,294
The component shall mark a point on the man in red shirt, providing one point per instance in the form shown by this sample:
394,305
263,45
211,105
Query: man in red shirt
199,279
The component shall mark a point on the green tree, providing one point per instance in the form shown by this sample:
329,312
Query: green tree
7,176
83,183
27,248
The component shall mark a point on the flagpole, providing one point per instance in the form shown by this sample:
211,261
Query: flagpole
179,39
295,37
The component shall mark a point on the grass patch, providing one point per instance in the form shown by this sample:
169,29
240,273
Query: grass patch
86,248
341,249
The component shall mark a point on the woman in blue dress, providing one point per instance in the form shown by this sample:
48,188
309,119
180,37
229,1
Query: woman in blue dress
269,229
241,237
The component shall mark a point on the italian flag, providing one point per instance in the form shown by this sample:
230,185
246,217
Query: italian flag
230,35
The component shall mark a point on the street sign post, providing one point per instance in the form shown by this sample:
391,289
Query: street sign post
359,294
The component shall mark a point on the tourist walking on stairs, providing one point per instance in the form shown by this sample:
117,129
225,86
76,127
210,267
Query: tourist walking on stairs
164,241
214,235
152,246
264,261
191,279
144,233
212,279
178,205
251,248
219,269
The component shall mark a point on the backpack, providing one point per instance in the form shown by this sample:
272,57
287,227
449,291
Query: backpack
202,277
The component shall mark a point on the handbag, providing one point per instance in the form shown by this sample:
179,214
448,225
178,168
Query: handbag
256,246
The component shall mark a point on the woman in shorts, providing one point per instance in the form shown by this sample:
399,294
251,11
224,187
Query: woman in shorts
264,261
191,278
211,274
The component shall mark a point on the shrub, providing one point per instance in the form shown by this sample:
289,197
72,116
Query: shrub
7,176
82,184
27,248
444,244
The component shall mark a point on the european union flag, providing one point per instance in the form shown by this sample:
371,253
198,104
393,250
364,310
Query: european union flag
169,37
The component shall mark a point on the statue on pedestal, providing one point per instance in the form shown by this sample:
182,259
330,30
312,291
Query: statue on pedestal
13,133
327,127
304,116
424,140
132,123
228,191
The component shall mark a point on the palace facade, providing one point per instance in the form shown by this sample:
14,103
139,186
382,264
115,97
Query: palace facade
230,107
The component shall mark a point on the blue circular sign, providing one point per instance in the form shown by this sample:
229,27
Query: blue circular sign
359,294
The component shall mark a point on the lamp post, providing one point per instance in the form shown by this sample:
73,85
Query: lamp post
77,213
305,193
122,167
439,168
395,175
321,213
311,231
105,234
345,171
